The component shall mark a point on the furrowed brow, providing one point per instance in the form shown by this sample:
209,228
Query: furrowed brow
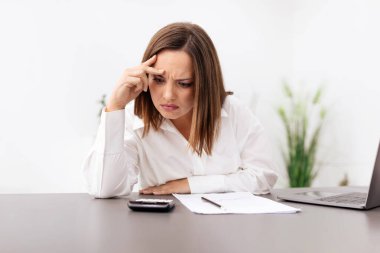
184,79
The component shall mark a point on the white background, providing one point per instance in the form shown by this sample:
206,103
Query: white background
58,57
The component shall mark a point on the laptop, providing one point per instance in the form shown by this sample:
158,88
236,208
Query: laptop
338,196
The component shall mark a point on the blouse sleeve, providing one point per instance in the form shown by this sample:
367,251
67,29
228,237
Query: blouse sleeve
110,169
256,172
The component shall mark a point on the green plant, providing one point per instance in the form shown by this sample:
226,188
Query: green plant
102,103
303,119
344,181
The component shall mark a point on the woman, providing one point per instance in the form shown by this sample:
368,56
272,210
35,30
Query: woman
183,133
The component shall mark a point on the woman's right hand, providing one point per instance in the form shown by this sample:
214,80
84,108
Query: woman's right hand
132,82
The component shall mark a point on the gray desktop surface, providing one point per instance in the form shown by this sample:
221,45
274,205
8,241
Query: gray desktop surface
78,223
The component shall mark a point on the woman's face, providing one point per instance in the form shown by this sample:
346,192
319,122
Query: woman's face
173,91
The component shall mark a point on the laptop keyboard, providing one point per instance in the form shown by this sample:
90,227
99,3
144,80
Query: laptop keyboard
356,198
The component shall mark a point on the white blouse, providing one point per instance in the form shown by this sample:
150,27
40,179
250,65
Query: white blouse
240,160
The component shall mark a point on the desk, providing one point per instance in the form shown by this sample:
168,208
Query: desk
78,223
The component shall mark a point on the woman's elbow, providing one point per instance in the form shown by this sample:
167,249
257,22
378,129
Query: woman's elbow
266,182
105,193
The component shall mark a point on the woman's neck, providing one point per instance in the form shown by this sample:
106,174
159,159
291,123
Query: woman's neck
183,125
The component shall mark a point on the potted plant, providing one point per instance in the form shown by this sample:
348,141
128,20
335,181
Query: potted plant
102,103
302,116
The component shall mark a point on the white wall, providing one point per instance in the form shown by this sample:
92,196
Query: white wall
337,42
59,57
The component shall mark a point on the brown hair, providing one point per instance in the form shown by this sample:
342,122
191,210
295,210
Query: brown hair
209,92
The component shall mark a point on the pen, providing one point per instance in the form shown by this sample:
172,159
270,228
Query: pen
211,202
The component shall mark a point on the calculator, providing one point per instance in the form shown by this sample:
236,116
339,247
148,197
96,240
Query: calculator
151,205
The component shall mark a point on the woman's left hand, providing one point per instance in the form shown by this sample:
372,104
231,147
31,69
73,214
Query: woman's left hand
175,186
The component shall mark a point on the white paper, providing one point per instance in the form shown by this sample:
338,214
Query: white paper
233,202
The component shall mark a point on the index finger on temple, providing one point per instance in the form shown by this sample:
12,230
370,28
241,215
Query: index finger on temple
153,71
150,61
